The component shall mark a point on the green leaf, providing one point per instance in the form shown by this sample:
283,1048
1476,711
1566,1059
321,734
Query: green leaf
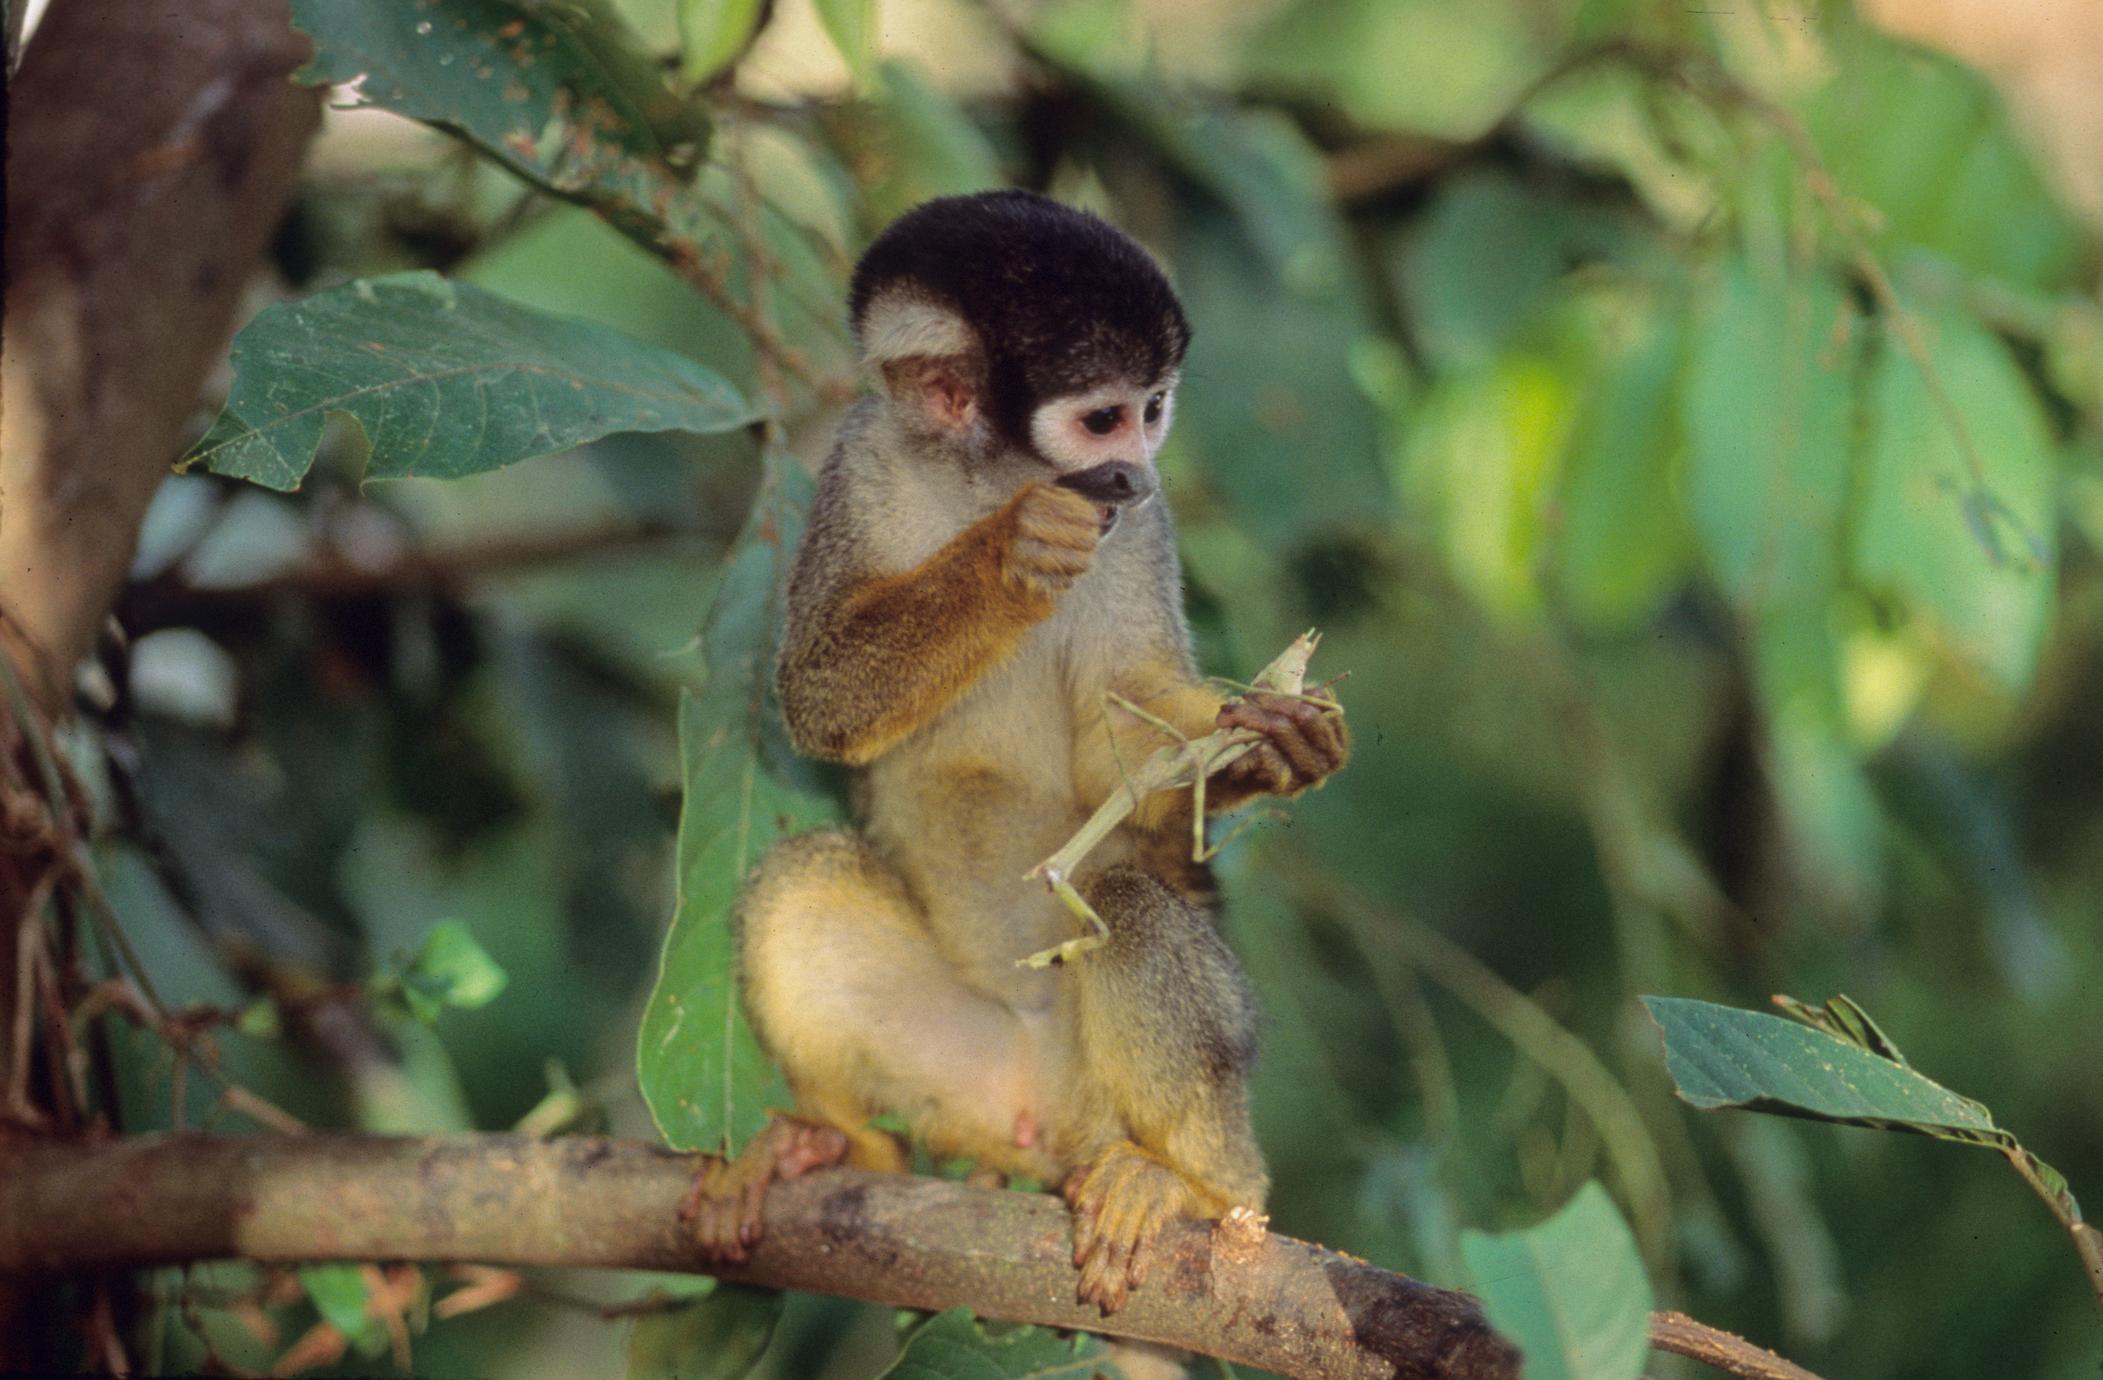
561,94
448,969
1421,66
720,1336
1623,542
1255,163
1972,554
1480,466
707,1083
1844,1019
1766,415
1930,145
712,33
1268,382
453,964
918,141
1720,1056
259,1020
339,1295
953,1346
851,25
1571,1292
443,380
1487,255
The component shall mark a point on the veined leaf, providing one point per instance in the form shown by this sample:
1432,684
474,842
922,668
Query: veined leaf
702,1072
444,380
952,1346
1720,1056
1571,1292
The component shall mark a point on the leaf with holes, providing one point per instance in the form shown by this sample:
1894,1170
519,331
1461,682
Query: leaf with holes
1571,1292
444,380
561,94
706,1080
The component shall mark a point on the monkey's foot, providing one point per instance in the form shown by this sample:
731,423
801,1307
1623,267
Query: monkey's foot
724,1204
1121,1201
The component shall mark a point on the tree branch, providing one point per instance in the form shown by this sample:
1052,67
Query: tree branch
1289,1307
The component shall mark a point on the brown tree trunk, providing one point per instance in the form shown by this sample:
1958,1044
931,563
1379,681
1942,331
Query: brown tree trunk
151,151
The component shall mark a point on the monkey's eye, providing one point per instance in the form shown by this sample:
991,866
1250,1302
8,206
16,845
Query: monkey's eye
1154,406
1103,420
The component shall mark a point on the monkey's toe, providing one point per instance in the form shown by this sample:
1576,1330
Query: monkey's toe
724,1205
1120,1204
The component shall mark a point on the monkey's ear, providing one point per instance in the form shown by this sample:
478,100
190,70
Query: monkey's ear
927,356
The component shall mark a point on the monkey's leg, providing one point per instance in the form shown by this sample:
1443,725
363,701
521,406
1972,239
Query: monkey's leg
1167,1035
849,995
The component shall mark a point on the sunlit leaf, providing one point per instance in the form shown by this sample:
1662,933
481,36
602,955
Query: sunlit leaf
447,969
719,1336
1570,1293
1623,540
443,379
713,32
851,25
1422,66
1485,448
954,1346
1971,553
1930,145
1486,255
707,1082
339,1295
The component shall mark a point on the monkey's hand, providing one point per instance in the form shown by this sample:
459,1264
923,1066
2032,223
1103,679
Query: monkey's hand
1303,744
1121,1200
1052,539
724,1203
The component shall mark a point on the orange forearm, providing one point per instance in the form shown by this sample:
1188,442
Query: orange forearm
897,649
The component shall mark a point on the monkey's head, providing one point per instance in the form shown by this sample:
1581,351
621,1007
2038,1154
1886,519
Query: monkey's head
1017,326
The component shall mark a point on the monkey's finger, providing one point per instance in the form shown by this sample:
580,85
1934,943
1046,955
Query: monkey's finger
1291,735
1264,769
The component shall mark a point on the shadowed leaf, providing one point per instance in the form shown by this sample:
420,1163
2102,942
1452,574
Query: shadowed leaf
444,380
707,1083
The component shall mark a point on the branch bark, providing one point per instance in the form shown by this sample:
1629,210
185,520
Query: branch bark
1290,1307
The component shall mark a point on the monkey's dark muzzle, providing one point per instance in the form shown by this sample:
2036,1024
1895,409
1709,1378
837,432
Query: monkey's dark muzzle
1112,485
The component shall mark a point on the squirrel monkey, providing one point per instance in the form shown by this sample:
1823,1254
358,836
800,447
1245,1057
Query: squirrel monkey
982,564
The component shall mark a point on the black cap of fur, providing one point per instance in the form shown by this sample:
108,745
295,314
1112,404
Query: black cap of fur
1061,300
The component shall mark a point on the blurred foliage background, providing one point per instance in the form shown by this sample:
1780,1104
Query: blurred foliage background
1685,422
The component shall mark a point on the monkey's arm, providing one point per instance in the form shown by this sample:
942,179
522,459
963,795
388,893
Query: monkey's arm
869,660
